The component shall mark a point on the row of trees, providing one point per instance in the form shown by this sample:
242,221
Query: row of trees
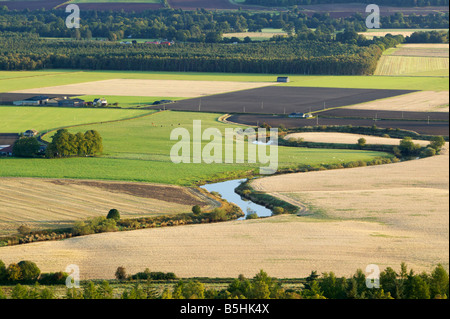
296,56
66,144
392,285
197,26
394,3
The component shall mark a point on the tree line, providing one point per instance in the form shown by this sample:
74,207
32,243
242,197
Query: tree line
405,284
349,55
392,3
195,26
66,144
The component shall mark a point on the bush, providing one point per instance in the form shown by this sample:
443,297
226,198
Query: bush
24,230
94,225
113,214
427,152
407,147
57,278
437,142
121,273
29,270
278,210
26,147
252,215
362,142
196,209
219,215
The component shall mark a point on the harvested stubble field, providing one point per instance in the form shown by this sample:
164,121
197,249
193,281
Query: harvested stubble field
346,138
57,203
415,60
425,101
408,201
132,87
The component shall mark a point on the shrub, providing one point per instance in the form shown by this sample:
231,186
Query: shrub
113,214
121,273
94,225
362,142
427,152
278,210
219,215
57,278
13,273
24,230
29,270
26,147
437,142
407,147
196,209
252,215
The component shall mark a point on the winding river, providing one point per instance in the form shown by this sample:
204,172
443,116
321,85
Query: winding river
226,190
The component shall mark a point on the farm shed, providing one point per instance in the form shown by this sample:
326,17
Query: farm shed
32,101
6,151
71,102
30,133
283,79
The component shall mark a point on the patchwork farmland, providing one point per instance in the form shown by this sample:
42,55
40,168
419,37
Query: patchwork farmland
98,187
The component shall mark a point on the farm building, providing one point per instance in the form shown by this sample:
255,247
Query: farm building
100,102
30,133
32,101
64,101
7,141
283,79
6,150
71,102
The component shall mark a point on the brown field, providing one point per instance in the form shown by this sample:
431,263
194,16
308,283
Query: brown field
425,101
163,88
381,214
50,203
346,138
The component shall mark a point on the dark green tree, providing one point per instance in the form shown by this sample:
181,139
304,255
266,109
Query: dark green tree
113,214
29,270
26,147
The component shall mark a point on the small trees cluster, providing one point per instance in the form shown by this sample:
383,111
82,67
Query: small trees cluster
25,272
65,144
26,147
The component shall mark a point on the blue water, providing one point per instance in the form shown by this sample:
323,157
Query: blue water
226,190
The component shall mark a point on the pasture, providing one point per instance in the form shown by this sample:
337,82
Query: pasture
24,80
139,150
20,119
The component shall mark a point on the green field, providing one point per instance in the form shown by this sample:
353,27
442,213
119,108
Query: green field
139,150
21,80
129,101
20,119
